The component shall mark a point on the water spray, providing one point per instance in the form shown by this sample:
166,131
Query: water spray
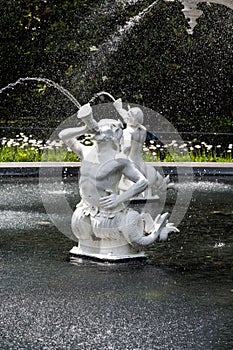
48,82
98,94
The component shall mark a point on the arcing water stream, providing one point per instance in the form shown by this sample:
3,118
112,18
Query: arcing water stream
48,82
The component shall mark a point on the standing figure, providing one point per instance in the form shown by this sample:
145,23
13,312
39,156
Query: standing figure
134,138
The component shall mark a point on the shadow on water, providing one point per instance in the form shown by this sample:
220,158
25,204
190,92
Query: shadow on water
181,298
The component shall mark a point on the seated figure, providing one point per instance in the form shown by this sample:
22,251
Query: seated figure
102,219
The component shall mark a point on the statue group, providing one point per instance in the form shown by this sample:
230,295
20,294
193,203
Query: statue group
112,174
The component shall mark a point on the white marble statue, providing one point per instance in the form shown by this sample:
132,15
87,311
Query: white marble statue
104,224
134,137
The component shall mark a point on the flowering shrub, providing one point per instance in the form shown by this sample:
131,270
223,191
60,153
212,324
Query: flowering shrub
188,151
26,148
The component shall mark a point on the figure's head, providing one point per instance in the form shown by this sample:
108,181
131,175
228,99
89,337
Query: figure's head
135,116
110,130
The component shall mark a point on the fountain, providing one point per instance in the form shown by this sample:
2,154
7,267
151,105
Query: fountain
48,303
114,197
112,176
125,146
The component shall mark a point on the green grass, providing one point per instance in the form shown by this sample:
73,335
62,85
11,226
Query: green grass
187,152
27,149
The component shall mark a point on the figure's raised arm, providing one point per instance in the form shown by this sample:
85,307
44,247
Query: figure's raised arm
86,116
119,108
70,135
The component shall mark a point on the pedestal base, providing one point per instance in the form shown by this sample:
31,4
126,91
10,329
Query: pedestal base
106,254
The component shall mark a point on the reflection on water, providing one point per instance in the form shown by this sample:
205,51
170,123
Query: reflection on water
206,232
49,303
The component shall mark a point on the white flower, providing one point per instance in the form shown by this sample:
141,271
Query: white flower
197,146
25,144
58,145
191,148
172,143
94,48
230,146
10,143
219,245
218,146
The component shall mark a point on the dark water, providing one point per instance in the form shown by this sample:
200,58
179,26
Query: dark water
181,298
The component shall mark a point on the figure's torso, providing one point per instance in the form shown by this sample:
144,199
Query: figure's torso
99,180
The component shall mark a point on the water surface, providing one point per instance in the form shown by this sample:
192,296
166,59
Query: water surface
181,298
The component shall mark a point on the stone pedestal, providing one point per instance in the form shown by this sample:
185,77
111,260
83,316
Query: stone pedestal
106,250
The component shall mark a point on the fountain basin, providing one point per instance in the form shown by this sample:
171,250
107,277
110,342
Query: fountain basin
51,302
200,169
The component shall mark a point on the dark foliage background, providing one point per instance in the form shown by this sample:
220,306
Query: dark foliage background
155,63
